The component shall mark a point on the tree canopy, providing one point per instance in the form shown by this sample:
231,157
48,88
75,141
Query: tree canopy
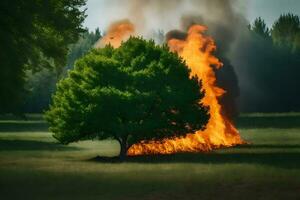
34,35
137,92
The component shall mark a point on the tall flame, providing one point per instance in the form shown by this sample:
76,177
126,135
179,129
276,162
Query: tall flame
197,50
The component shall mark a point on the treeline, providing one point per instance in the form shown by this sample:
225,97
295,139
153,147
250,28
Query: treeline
40,41
267,61
41,85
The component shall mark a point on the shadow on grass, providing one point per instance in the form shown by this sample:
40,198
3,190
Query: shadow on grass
29,145
268,121
289,160
23,126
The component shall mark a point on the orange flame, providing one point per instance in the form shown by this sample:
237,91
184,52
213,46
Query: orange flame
197,50
117,32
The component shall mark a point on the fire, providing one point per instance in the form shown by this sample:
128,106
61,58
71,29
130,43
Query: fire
117,32
197,50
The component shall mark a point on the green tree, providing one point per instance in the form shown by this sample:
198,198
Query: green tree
259,27
82,46
39,88
40,85
34,35
137,92
285,32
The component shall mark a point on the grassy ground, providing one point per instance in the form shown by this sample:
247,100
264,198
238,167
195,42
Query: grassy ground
34,166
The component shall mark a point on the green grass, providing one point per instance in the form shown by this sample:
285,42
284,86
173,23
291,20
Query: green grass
34,166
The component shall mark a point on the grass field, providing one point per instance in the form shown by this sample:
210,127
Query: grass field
34,166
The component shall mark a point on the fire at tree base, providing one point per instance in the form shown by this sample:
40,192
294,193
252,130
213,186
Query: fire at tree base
196,49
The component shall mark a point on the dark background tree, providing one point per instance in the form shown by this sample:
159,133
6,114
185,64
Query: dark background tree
285,32
38,90
41,85
268,66
34,35
82,46
260,28
139,91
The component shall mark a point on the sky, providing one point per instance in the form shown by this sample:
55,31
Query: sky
100,15
270,10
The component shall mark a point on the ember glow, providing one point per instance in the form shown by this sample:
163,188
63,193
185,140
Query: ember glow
197,51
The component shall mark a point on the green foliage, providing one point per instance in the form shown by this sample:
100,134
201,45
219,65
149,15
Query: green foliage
139,91
41,85
82,46
39,88
34,35
286,32
259,27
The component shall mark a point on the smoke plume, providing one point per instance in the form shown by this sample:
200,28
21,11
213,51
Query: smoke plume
222,18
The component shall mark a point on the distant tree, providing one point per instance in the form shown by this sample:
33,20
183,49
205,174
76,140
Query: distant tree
259,27
82,46
296,45
269,66
40,85
137,92
34,35
39,88
285,32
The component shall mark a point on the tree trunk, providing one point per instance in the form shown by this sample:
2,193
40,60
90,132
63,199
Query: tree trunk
123,148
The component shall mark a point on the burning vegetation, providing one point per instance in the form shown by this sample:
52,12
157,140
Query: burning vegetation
197,50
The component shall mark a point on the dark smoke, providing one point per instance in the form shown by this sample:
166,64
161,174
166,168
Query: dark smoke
176,34
224,24
266,77
224,32
228,80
